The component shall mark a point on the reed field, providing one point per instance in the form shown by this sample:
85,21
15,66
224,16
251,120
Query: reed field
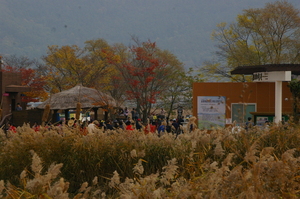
62,163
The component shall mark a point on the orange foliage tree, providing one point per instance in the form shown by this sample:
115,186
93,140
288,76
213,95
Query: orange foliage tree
30,77
68,66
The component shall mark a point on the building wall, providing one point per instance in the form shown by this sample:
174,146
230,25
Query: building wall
261,93
6,101
27,116
10,79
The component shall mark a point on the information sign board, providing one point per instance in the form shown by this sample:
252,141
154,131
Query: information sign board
272,76
211,111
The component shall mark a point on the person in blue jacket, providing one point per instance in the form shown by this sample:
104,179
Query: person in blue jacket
161,129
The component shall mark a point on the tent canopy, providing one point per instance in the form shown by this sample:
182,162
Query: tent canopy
88,97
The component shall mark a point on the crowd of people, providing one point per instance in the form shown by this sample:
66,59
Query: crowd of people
156,123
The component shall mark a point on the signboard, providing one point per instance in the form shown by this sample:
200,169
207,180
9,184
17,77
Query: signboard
5,94
211,111
272,76
260,121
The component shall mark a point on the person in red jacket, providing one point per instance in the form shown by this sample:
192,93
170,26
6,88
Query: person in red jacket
150,128
129,126
36,127
11,127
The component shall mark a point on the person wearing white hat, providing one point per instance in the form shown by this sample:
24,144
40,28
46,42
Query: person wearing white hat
92,127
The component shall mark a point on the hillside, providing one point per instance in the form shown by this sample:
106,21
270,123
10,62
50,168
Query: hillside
182,27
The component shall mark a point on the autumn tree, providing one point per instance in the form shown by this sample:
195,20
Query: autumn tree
147,70
63,67
67,66
100,56
118,85
180,91
19,62
269,35
29,77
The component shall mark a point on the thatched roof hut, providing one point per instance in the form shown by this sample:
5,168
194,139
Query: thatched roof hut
88,97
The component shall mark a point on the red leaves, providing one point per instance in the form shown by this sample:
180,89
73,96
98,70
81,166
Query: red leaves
9,69
29,78
135,83
142,70
149,79
109,55
139,52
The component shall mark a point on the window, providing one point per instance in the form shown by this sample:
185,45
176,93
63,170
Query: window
240,112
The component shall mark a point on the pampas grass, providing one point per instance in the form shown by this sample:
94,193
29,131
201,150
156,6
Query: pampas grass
63,163
46,113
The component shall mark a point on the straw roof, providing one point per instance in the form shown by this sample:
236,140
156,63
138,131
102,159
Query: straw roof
88,97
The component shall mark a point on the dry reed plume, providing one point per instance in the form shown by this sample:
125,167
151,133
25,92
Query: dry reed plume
62,163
